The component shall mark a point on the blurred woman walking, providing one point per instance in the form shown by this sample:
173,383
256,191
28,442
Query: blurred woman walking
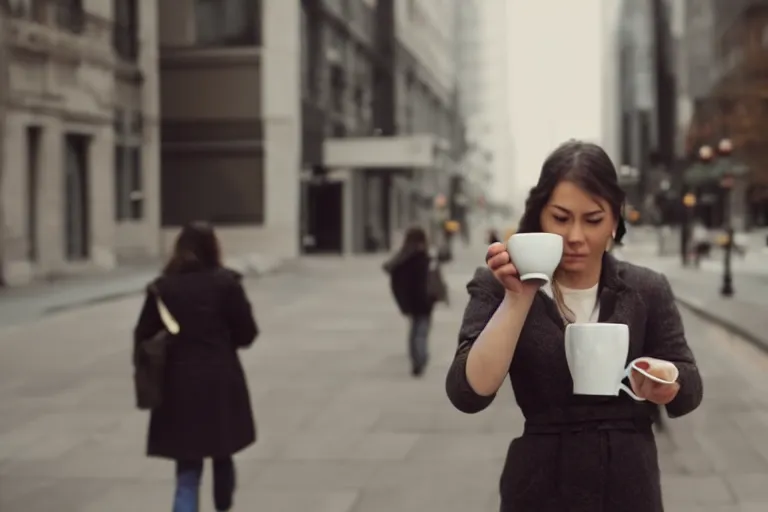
205,410
416,289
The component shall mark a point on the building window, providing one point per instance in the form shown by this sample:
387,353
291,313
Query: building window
125,35
228,23
33,10
129,180
359,100
70,15
337,89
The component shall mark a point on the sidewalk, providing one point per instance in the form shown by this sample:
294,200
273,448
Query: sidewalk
343,427
28,303
699,290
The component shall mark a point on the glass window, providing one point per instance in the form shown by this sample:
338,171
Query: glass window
128,174
126,29
228,23
136,194
120,184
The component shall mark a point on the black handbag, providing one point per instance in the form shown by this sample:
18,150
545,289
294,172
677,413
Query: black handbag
151,355
437,290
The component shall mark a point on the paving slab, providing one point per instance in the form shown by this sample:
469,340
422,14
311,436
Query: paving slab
343,426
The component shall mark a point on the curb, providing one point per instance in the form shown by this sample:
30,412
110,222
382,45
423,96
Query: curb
249,267
694,307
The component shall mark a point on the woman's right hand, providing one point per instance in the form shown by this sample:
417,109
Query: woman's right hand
500,263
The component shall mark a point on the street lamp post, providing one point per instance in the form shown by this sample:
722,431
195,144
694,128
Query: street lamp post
726,183
707,155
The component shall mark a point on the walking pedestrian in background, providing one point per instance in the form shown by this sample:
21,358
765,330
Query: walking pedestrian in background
205,412
409,272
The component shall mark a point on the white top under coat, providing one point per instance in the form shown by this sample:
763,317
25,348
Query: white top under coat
583,303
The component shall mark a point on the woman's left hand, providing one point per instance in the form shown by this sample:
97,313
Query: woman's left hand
655,392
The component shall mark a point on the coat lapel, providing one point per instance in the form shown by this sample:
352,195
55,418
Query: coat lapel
619,303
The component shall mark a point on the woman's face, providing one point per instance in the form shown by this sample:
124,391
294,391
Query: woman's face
586,224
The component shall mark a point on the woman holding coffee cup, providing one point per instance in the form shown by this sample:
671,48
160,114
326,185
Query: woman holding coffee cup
579,452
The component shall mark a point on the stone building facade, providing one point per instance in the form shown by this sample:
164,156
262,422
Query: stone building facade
80,168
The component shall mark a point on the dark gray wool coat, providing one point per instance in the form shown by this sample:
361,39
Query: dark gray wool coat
581,453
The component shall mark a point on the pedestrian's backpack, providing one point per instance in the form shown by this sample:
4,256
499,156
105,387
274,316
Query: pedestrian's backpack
437,291
150,359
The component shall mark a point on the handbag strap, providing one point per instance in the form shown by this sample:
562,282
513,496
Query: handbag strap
170,323
434,263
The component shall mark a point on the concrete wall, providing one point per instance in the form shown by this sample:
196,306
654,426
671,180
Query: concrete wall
281,104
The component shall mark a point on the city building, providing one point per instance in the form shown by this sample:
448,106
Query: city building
428,108
80,182
392,177
483,84
732,103
347,96
305,127
492,124
648,104
231,121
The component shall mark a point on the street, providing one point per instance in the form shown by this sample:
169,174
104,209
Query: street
343,427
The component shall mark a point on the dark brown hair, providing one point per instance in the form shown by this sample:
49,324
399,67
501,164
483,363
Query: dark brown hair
590,168
415,239
587,166
197,248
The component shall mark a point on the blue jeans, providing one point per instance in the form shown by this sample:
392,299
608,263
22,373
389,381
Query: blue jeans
417,341
188,476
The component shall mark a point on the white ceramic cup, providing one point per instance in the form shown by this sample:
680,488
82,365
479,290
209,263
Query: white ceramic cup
535,255
597,355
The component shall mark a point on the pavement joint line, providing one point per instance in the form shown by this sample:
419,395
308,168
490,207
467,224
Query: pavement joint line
248,273
91,301
699,310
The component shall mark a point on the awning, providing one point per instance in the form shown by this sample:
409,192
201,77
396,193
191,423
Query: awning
396,152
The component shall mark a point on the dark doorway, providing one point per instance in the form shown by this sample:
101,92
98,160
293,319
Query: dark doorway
76,204
33,183
324,218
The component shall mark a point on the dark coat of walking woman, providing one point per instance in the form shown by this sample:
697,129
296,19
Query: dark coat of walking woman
577,453
206,408
409,272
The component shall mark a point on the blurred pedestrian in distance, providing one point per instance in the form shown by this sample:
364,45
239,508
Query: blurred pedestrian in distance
577,452
409,272
206,408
